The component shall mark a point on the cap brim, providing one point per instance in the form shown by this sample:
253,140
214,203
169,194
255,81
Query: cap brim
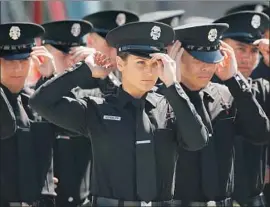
144,54
140,54
20,56
244,39
207,57
63,49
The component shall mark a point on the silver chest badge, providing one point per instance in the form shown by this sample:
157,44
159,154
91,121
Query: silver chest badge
155,32
120,19
256,21
76,29
15,32
212,35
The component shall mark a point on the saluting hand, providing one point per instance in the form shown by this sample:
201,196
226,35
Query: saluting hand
228,67
80,53
176,52
263,45
99,64
44,61
166,67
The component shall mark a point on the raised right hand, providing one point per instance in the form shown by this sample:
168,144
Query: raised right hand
99,64
43,60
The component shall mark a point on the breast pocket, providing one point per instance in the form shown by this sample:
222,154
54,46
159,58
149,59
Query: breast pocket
224,130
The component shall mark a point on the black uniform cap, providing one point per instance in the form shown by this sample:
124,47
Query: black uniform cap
196,20
202,41
245,26
65,34
141,38
104,21
171,18
267,11
17,39
258,7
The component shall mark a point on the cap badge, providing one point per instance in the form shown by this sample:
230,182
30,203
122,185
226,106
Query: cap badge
256,21
120,19
175,21
259,8
15,32
76,29
155,32
212,35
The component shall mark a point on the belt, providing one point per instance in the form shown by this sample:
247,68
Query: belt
222,203
101,201
22,204
44,201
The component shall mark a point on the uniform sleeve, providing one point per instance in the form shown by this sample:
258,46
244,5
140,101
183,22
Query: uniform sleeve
251,120
94,83
266,87
42,80
7,117
51,100
191,131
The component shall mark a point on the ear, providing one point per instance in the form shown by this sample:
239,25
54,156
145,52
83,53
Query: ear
120,63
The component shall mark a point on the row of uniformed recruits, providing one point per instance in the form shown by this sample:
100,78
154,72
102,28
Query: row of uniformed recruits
252,162
132,137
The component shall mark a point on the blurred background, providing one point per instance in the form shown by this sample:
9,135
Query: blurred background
50,10
43,11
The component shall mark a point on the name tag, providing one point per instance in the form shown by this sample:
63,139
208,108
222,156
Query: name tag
114,118
62,137
143,142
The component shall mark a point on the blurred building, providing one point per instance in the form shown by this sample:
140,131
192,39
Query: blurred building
42,11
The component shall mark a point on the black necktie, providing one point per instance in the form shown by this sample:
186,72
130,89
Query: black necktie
26,153
145,157
208,155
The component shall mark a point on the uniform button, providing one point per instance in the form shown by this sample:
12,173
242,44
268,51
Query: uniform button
210,135
70,199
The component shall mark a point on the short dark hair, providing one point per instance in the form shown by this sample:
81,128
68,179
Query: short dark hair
123,55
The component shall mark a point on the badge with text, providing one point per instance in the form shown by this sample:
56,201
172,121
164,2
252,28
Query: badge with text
113,118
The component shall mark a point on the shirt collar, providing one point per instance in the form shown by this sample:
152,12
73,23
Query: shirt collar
206,91
11,96
125,98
